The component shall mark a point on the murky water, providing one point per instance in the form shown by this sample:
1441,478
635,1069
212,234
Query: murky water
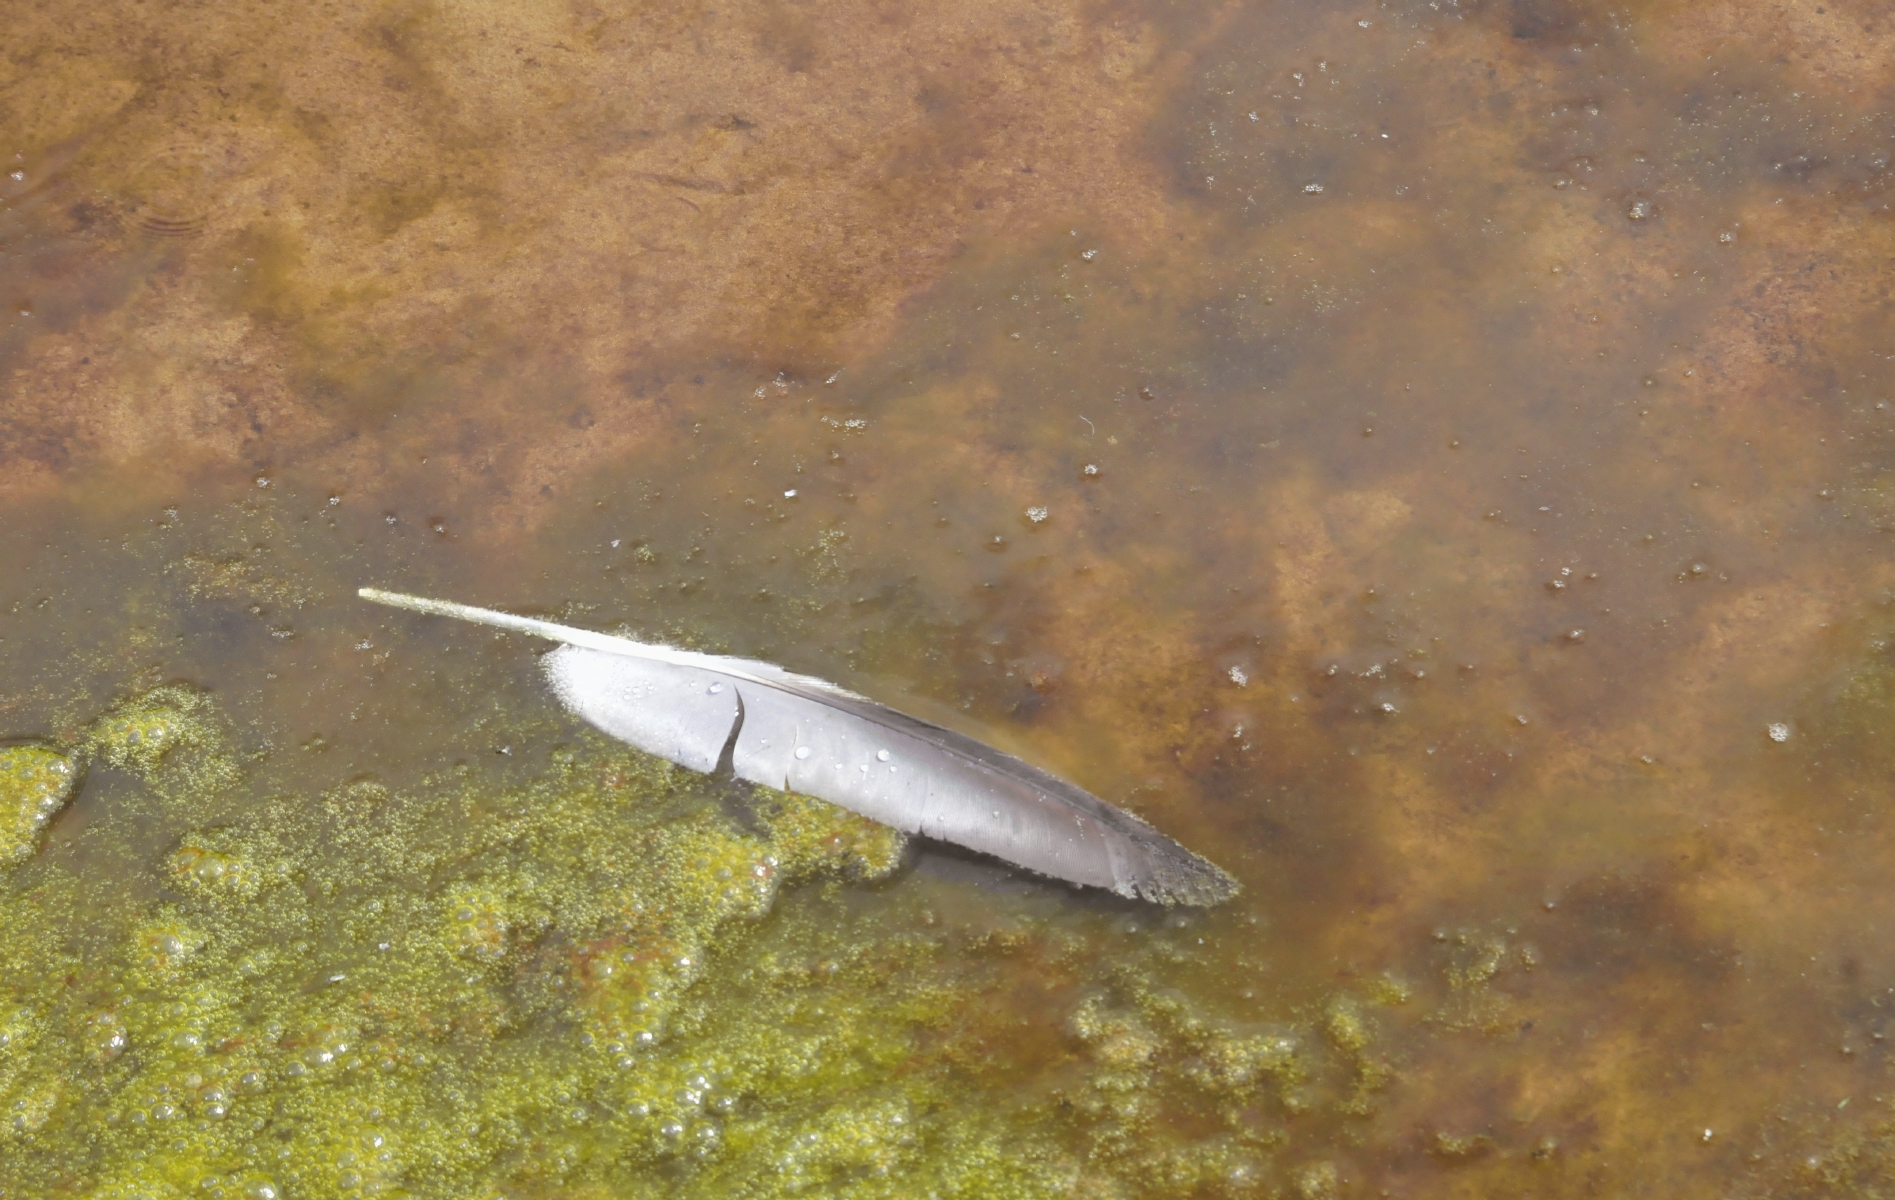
1436,460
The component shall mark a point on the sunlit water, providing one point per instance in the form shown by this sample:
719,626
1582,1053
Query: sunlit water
1432,460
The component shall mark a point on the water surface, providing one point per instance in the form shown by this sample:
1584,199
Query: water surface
1433,459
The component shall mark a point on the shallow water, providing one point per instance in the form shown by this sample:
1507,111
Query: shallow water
1464,435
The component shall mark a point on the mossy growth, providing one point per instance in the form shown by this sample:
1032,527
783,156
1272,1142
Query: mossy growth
590,981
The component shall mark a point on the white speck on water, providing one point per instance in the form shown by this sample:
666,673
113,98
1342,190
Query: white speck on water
790,495
716,688
1037,513
18,177
1090,471
802,752
1313,188
1253,116
1089,255
1239,677
615,543
1778,731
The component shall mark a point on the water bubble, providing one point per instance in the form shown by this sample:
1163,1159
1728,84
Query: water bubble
1639,210
790,494
1037,513
1239,677
1312,189
1090,471
1778,731
1575,635
802,752
882,756
716,688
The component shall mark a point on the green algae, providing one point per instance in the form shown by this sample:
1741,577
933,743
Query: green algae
591,980
35,783
145,735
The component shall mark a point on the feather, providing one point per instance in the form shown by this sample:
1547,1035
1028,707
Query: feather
770,727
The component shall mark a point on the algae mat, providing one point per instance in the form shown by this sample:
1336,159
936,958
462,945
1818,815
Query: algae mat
1433,458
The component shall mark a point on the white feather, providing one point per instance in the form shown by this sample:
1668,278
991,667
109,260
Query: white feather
800,734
